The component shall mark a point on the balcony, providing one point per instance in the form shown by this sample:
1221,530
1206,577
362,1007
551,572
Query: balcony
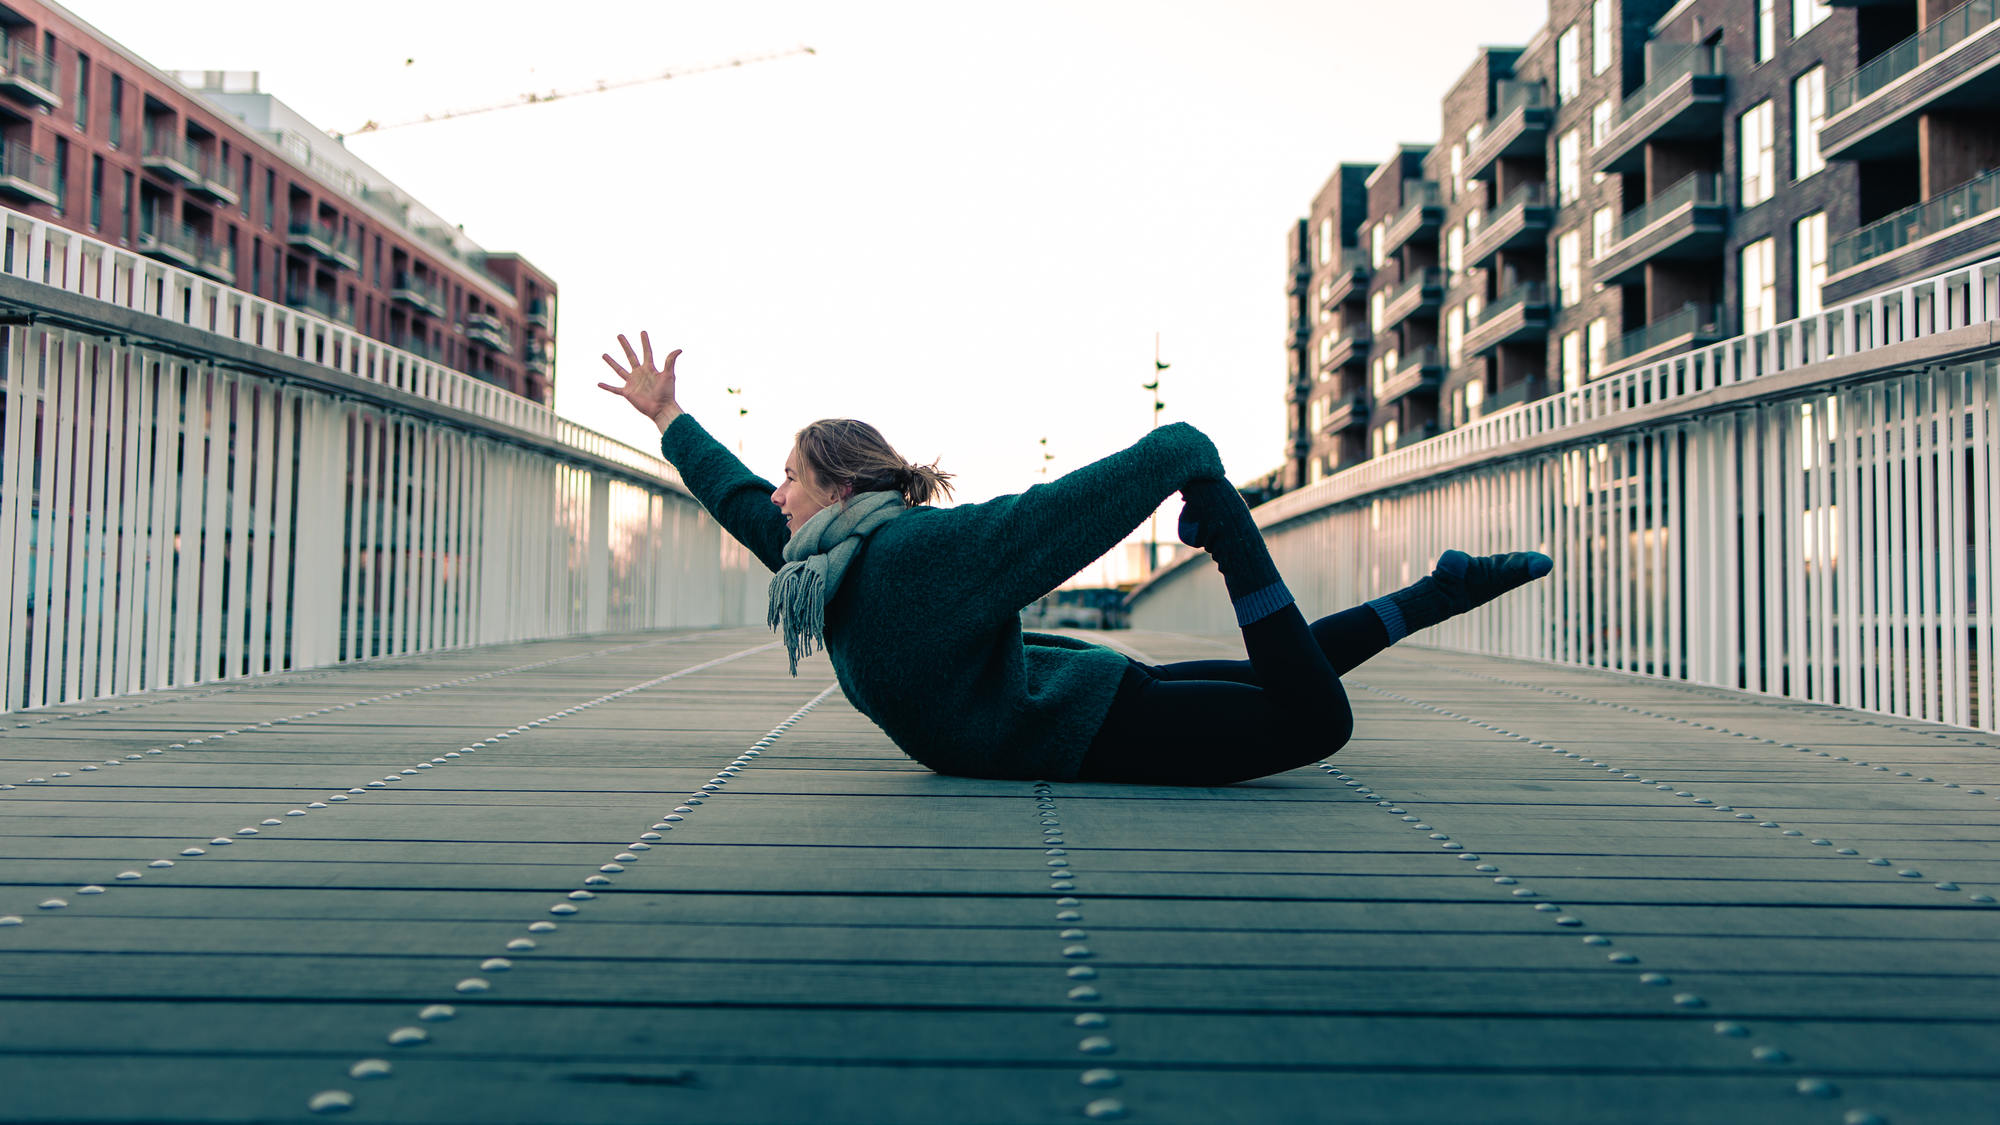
1421,372
1521,313
541,315
214,179
320,304
1915,241
171,157
1416,434
1513,394
1948,65
174,243
1302,442
1421,294
1686,221
1345,414
486,329
1347,349
216,260
1420,218
1298,337
1521,222
1690,327
324,240
1518,127
1300,273
29,77
1349,282
417,293
27,178
1682,99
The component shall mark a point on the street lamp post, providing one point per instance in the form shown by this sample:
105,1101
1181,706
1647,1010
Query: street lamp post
1153,526
742,416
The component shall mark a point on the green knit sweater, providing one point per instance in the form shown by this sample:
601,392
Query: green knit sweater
925,631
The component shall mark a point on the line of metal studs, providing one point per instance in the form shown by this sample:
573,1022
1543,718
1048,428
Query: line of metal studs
1947,885
59,775
412,1035
1083,987
250,831
1718,729
1768,1053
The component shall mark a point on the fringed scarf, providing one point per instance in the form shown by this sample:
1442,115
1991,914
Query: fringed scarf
815,558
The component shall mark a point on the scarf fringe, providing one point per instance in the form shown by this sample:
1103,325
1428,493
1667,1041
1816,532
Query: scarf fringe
798,609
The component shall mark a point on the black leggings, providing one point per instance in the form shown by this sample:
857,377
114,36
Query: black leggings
1217,722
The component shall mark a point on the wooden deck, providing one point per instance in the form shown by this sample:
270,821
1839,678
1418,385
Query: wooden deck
629,879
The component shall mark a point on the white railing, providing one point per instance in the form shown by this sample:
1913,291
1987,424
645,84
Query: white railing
1826,536
169,520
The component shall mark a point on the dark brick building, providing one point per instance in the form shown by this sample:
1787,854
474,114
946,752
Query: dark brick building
204,172
1643,177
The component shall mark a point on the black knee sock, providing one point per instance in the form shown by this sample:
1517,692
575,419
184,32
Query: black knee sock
1459,583
1216,519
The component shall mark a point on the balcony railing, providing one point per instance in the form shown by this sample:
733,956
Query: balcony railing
1521,219
171,155
1697,187
29,75
1345,414
1425,290
216,179
1423,209
1948,31
1519,125
24,175
216,259
1691,321
418,293
1420,370
324,239
313,301
170,241
1520,312
1891,233
1351,271
1682,99
540,314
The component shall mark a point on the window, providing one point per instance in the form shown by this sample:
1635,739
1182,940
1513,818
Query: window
1600,37
1753,135
1375,245
1474,305
1454,252
1475,393
1572,360
1326,239
82,91
1457,170
125,209
1806,15
1375,303
243,186
1593,348
1809,235
1765,30
1602,222
1760,285
1454,335
1569,75
62,175
1808,112
1326,343
270,197
1569,166
96,192
1600,122
117,111
1569,267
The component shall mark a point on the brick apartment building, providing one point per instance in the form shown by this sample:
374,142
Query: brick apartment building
203,171
1640,178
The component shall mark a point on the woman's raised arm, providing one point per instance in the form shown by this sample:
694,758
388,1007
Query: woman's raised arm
648,388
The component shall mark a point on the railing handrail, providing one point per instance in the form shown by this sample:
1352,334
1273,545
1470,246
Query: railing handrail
1524,292
1899,228
1515,94
1680,322
31,64
1943,33
1695,187
1530,194
1428,276
1694,58
38,169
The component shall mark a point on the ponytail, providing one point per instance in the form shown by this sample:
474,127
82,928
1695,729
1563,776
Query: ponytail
844,452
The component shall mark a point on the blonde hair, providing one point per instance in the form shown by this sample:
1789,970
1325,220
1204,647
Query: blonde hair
843,452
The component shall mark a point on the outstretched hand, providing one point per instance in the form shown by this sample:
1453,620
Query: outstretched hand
648,388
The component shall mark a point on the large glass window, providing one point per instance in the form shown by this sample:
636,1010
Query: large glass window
1375,245
1809,235
1326,240
117,111
1457,170
82,91
1601,44
1593,348
1569,166
1806,15
1765,30
1454,335
1569,64
1753,150
1454,252
1602,223
1808,112
1572,360
1759,262
1600,122
1569,267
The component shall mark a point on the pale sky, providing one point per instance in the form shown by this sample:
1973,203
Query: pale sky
961,222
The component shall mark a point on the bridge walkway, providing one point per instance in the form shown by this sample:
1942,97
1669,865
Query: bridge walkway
654,878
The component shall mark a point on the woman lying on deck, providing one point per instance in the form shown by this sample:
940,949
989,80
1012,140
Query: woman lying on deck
919,607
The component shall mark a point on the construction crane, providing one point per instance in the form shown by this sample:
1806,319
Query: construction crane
600,87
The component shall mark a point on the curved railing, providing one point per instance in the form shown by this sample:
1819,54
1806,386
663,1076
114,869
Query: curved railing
1811,510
